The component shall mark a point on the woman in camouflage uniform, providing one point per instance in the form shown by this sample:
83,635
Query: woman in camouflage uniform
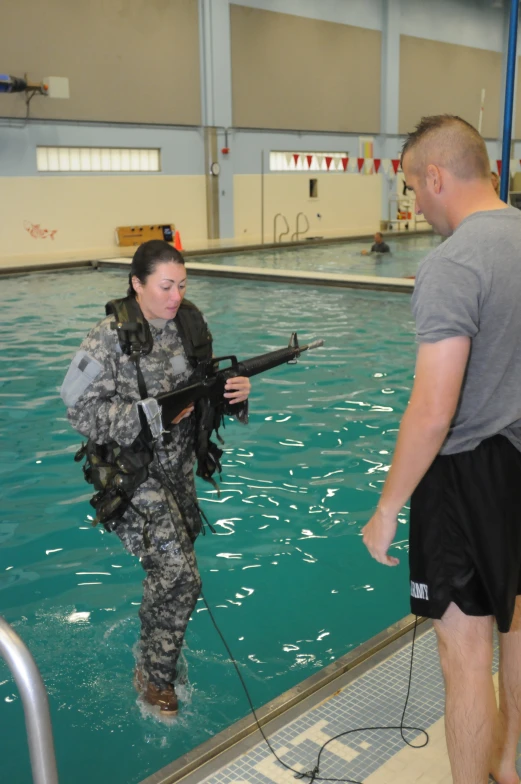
101,393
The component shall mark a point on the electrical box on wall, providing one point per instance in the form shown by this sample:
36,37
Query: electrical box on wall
56,86
135,235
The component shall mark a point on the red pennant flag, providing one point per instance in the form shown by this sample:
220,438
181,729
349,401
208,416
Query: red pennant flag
396,164
361,162
296,156
309,159
377,162
329,158
499,165
345,163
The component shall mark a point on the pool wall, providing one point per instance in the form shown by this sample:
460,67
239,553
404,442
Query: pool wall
65,217
360,112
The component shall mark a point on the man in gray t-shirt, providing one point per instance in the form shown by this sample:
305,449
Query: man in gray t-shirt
458,454
470,285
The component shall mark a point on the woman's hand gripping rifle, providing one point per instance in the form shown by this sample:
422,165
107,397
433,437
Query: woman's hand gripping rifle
161,412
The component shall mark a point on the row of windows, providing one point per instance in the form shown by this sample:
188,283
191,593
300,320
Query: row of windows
96,159
116,159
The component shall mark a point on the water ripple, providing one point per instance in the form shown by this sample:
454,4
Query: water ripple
299,482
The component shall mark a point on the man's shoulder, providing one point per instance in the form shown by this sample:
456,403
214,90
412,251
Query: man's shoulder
482,225
445,265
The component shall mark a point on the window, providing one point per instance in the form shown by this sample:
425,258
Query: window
309,161
97,159
313,189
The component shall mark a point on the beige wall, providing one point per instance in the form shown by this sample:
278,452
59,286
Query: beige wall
516,130
132,61
292,72
348,204
85,211
439,78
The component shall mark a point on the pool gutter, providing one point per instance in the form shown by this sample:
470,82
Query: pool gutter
243,734
50,266
305,277
370,282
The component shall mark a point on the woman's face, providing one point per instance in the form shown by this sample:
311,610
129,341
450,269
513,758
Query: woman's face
163,291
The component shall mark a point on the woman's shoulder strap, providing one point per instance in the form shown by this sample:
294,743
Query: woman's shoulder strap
194,332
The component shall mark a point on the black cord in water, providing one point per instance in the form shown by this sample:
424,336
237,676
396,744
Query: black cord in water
313,774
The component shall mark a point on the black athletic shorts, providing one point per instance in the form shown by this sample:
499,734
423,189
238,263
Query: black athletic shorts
465,533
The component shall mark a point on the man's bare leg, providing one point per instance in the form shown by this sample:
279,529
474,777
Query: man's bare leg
508,727
465,647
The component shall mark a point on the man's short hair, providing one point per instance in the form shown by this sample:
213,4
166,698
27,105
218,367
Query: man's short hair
450,142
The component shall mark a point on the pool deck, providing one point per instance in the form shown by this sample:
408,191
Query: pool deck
285,276
123,256
366,688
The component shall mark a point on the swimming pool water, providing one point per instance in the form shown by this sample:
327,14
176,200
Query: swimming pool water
343,259
286,574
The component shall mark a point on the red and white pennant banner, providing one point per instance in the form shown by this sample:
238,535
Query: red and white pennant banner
389,166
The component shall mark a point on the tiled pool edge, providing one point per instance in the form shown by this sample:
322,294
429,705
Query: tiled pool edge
243,735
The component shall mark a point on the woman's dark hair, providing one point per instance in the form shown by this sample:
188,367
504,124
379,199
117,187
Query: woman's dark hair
147,257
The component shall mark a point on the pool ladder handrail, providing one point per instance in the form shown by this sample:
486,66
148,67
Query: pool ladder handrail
283,233
295,236
36,705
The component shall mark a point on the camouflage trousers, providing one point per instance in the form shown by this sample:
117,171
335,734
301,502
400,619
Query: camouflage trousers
165,545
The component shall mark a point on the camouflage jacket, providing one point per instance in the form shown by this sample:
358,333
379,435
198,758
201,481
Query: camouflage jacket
101,391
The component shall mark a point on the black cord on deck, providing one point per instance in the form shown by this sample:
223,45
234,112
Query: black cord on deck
311,775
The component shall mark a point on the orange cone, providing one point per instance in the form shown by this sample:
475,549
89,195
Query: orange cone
178,245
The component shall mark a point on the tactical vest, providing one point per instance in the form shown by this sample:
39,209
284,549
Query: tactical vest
116,472
135,337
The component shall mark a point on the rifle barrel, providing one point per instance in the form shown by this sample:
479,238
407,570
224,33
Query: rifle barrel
251,367
173,403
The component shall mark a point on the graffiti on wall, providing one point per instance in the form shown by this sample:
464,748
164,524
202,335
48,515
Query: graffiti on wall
37,233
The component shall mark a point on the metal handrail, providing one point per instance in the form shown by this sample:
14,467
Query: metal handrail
297,233
283,233
35,702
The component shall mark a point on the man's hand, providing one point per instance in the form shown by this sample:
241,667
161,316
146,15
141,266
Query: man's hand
237,389
378,535
440,368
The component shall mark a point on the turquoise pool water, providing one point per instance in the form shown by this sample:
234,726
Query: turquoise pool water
289,580
345,258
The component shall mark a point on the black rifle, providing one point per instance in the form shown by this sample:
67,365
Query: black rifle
212,380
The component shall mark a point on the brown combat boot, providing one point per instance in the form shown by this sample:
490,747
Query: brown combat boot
164,699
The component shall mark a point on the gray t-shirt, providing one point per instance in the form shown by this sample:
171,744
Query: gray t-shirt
471,285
